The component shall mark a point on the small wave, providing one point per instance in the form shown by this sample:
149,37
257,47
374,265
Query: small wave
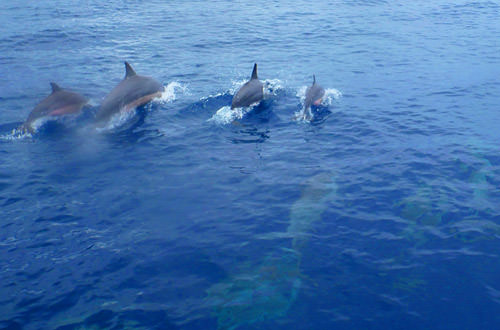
214,96
37,123
118,121
272,87
301,93
20,132
331,94
236,85
226,115
170,92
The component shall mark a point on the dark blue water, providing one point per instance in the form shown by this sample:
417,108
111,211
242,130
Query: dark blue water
381,213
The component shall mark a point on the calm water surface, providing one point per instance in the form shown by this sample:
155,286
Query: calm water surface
381,213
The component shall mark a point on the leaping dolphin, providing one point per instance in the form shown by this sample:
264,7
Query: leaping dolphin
251,92
59,102
314,95
132,92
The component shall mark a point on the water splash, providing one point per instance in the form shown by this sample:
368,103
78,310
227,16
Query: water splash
214,96
226,115
118,120
39,122
22,132
272,87
331,95
16,134
170,92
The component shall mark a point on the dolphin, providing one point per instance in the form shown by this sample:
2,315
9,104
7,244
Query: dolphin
314,95
59,102
132,92
251,92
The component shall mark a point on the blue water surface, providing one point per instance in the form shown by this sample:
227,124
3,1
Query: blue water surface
383,212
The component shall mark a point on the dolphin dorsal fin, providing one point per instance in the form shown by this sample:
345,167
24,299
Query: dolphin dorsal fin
314,79
254,72
55,87
129,72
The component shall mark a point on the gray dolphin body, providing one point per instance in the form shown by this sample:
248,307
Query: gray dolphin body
132,92
60,102
314,95
251,92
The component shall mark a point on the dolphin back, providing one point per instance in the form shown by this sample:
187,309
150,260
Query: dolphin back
59,102
313,93
251,92
134,90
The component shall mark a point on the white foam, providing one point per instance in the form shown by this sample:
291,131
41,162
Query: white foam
226,115
212,96
22,133
272,87
301,94
170,92
16,134
39,122
331,94
236,85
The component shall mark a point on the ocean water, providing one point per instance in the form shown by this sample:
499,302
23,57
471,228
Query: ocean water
383,212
